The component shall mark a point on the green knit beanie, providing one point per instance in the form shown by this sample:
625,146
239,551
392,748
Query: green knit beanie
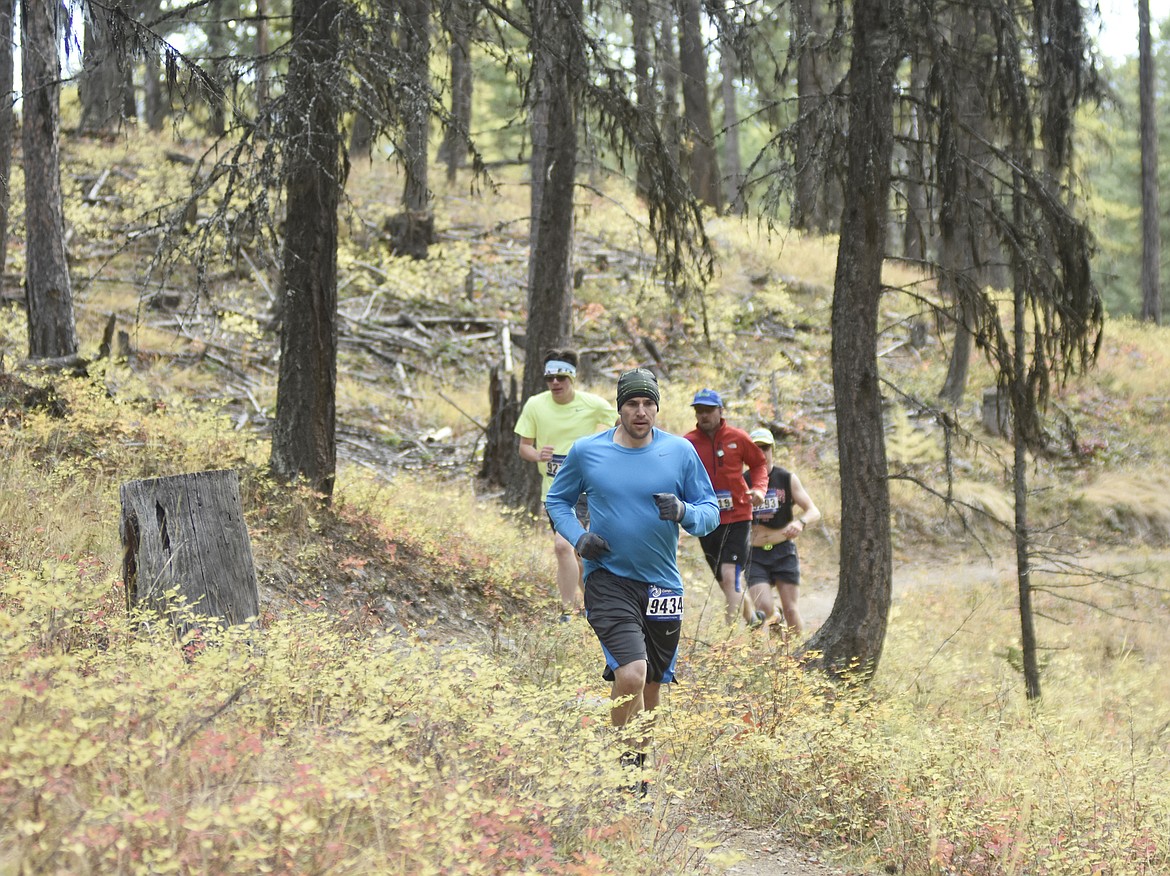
637,382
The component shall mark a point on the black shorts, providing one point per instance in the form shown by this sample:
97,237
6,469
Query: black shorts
780,565
727,543
616,608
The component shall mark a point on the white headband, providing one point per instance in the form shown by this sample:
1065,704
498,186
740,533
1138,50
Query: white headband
556,366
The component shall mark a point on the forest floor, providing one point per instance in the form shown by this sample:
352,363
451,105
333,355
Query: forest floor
768,852
765,852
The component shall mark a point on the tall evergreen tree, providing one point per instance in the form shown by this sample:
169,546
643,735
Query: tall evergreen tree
963,69
729,72
52,332
7,121
458,18
1151,232
303,437
103,75
699,134
853,635
1019,186
415,98
642,28
558,68
815,194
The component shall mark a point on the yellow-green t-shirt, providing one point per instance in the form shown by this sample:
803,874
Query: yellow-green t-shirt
546,422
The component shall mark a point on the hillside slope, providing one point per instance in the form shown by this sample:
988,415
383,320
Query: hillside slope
408,664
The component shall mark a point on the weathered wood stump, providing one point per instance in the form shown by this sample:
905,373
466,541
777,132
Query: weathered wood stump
994,413
500,443
184,541
410,233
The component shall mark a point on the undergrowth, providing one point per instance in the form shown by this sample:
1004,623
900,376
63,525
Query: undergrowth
335,741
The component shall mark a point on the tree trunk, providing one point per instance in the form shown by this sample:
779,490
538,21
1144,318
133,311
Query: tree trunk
959,366
500,441
262,40
129,100
558,65
1151,242
667,61
52,333
459,19
964,235
185,545
955,268
1021,409
303,436
804,195
700,133
993,412
361,136
101,85
851,639
154,109
154,104
7,124
916,225
729,71
412,230
642,26
1028,645
815,75
415,102
217,49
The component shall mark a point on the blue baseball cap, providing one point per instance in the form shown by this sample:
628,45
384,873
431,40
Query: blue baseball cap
708,397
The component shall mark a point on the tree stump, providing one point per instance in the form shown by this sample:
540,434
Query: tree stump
501,441
185,543
994,413
410,233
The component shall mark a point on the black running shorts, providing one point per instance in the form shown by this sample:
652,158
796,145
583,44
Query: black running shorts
727,543
617,610
780,565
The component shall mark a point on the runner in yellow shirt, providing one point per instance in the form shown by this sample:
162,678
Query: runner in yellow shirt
549,423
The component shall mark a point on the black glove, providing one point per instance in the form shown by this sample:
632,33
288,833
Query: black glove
670,507
591,546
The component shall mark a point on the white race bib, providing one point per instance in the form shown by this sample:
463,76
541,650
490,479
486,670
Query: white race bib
664,606
771,505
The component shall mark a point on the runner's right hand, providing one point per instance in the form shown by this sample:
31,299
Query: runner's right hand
591,546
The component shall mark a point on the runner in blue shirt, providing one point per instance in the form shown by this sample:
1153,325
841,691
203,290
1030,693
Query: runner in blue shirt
642,484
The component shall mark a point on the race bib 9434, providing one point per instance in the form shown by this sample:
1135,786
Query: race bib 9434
664,605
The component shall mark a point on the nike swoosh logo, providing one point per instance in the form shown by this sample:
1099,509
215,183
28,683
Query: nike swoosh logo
672,632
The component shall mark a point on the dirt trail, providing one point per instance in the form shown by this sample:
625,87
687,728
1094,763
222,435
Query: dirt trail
765,852
769,853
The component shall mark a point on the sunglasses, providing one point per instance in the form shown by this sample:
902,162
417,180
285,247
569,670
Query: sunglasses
549,378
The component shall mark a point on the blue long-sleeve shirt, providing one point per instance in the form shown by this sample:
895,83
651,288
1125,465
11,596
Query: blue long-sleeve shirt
621,483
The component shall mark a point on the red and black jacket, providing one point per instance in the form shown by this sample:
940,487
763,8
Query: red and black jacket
725,455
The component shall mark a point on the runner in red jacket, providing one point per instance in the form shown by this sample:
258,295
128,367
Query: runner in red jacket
726,451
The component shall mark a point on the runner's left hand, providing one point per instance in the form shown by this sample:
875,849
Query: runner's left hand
670,507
